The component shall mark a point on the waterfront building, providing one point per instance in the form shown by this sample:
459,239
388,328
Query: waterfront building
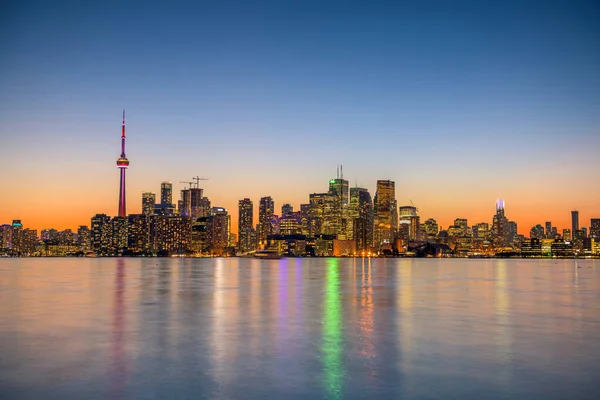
595,228
139,233
537,232
5,238
532,247
119,234
574,221
217,230
566,233
245,225
101,234
385,218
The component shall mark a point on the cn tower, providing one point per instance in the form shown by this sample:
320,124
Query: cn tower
122,164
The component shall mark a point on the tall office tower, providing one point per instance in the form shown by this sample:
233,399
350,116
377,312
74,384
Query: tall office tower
245,225
431,227
322,214
196,203
537,232
217,230
290,224
409,220
595,228
83,238
148,203
500,229
186,203
566,233
361,206
29,242
385,204
101,234
286,209
17,236
574,221
204,207
119,234
122,164
166,193
463,226
338,189
138,233
266,208
5,237
305,215
481,231
548,233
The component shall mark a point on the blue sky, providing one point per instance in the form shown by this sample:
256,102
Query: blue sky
453,100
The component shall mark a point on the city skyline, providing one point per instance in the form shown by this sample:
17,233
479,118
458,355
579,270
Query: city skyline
266,101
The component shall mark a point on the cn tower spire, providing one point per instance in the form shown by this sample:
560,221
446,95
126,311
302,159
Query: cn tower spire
122,164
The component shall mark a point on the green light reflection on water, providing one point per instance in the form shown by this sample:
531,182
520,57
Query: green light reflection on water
332,332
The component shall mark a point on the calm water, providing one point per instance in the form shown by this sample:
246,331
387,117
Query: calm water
299,328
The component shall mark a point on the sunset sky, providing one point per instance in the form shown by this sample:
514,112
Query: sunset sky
459,103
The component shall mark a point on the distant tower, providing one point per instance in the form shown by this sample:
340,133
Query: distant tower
574,222
122,164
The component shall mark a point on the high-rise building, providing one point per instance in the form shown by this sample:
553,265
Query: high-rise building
171,234
385,213
548,233
409,222
286,209
119,234
101,234
566,233
245,225
361,206
338,190
148,203
266,208
5,238
122,164
138,233
166,193
322,214
537,232
185,209
83,238
574,221
595,228
17,237
196,208
217,230
431,227
290,224
305,215
500,228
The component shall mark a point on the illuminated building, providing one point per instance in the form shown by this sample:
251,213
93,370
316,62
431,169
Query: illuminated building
217,230
199,226
245,225
462,224
409,221
138,233
171,234
385,227
196,203
559,248
83,238
595,228
533,247
548,233
5,238
185,206
286,209
481,231
343,248
567,235
122,164
305,216
17,237
503,232
166,193
29,242
101,234
361,207
290,224
321,214
119,234
204,207
148,203
537,232
574,221
338,222
431,227
266,208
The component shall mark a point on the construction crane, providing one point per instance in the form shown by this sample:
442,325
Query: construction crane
413,204
198,179
188,182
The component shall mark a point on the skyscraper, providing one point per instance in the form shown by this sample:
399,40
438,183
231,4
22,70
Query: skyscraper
245,225
500,229
148,203
409,221
286,209
385,212
266,208
574,221
101,234
548,231
595,228
166,193
186,203
196,203
338,189
122,164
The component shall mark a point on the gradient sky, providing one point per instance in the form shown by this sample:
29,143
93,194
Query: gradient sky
458,102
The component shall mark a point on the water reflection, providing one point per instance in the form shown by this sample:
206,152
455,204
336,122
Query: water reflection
332,332
118,360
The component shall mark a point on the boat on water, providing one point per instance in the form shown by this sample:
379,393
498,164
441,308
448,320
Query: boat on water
267,254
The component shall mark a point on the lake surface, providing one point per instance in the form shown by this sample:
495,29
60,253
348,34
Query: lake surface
299,328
